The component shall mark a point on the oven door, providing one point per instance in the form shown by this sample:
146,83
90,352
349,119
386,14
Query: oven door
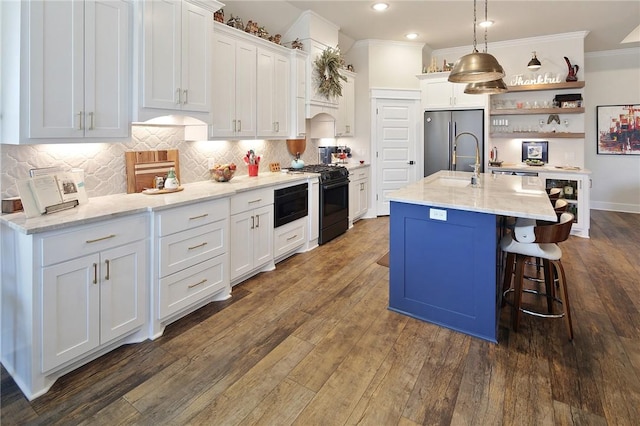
334,207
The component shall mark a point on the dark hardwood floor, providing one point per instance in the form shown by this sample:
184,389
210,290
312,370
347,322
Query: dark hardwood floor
313,343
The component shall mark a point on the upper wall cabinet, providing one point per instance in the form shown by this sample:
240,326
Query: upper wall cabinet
273,94
345,120
68,71
439,93
234,86
252,89
176,58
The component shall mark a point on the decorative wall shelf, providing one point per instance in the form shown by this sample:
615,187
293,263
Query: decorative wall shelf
545,135
532,111
550,86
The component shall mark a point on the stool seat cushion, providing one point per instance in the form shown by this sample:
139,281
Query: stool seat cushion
549,251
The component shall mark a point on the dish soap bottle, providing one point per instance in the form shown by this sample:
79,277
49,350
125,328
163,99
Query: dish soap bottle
171,182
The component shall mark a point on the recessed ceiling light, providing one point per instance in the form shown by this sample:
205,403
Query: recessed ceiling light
380,6
485,24
412,36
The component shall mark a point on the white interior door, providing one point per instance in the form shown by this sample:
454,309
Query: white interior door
396,136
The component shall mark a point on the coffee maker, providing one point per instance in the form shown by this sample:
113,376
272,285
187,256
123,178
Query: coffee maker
325,154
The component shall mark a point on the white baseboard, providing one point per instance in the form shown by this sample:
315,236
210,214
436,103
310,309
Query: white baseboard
615,207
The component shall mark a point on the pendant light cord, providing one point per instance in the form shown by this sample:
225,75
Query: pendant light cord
475,43
486,2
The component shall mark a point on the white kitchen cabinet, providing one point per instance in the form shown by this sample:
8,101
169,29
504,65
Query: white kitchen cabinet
191,267
298,91
80,292
313,216
358,193
251,233
439,93
345,121
73,81
273,94
91,301
575,189
234,85
176,56
289,238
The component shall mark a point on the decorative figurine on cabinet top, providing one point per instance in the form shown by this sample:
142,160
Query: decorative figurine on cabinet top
218,16
573,70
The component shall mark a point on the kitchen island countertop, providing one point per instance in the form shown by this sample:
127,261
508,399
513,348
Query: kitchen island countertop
502,195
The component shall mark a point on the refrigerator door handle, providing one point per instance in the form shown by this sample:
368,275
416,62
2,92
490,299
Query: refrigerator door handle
451,153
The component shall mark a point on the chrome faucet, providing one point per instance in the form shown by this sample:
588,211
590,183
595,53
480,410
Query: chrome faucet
476,168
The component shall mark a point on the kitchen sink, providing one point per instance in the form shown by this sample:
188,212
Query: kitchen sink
452,182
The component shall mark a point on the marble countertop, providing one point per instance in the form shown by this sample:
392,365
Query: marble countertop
118,205
547,168
504,195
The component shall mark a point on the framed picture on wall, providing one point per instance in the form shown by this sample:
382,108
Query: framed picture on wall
535,153
618,129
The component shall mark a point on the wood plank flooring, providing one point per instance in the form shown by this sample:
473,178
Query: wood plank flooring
313,343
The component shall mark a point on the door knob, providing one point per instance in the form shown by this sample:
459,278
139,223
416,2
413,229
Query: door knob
411,162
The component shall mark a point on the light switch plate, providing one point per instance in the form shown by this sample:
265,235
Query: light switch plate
438,214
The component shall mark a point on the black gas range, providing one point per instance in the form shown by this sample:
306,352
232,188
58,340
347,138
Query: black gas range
327,172
334,199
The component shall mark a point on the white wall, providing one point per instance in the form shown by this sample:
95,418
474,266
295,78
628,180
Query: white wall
613,78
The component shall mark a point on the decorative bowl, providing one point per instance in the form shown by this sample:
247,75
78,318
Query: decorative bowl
223,173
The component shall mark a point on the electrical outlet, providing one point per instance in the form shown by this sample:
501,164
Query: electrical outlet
211,162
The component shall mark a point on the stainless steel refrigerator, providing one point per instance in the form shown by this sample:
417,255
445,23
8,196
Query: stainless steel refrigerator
440,131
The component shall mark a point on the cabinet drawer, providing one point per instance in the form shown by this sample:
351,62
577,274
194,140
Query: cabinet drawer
192,285
92,238
358,174
184,249
289,237
188,217
251,200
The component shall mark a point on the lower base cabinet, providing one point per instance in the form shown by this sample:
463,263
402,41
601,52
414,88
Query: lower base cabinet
70,296
251,234
574,188
289,238
358,193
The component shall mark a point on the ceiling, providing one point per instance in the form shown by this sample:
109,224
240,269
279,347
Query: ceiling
447,24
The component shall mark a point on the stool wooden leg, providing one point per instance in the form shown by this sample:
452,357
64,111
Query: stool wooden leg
517,293
548,283
564,296
508,274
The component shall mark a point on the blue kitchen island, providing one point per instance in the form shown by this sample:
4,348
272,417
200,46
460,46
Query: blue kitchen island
444,258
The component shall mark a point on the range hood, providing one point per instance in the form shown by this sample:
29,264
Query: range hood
322,126
194,129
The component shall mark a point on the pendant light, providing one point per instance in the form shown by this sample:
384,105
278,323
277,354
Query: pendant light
476,67
492,87
534,63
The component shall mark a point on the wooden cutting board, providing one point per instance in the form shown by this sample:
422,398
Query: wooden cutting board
143,166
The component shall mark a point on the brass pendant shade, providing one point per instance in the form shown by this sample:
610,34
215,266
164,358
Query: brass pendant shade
477,67
486,88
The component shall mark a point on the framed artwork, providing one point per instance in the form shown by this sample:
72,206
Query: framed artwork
618,129
535,152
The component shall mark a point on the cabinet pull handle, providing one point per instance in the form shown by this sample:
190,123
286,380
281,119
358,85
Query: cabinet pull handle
348,129
198,246
257,221
239,125
197,284
199,217
255,201
91,123
186,96
178,92
291,238
95,273
101,239
80,120
108,263
235,125
253,222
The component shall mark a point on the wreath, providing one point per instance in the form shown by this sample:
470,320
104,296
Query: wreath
327,72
